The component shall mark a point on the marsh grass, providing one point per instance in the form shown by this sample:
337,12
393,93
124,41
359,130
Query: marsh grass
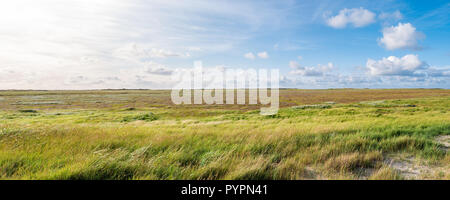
143,117
343,141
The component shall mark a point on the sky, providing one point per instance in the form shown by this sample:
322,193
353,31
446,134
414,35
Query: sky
111,44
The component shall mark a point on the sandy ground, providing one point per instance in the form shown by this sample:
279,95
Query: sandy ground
412,168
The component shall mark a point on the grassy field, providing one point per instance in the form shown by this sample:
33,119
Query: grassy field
139,134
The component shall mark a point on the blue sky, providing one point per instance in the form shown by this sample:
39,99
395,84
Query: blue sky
93,44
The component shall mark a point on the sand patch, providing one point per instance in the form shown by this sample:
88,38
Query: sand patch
444,140
412,168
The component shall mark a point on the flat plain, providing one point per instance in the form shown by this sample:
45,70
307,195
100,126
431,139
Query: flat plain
140,134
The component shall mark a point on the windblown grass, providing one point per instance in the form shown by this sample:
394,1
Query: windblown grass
339,141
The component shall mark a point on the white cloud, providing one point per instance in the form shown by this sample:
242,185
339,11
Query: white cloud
263,55
294,65
404,72
56,42
402,36
249,55
136,51
84,80
408,65
338,80
82,44
158,69
394,16
438,71
319,70
358,17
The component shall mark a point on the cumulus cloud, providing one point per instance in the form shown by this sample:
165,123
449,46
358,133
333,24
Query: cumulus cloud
358,17
407,71
408,65
318,70
250,56
438,72
263,55
337,80
402,36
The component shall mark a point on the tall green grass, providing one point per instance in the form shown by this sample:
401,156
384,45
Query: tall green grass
339,141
